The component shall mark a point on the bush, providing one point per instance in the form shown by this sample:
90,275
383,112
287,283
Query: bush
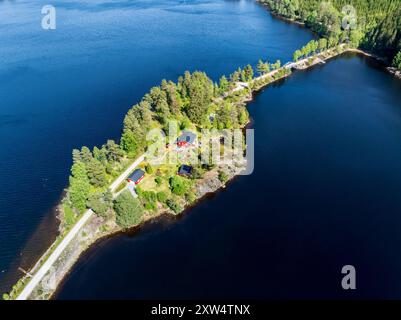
173,205
121,186
190,196
139,191
178,185
149,169
397,61
197,172
79,186
158,180
149,199
128,210
69,216
223,176
185,123
162,197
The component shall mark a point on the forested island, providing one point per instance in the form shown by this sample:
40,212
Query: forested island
195,102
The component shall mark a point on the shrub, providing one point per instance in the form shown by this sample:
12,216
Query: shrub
185,123
197,172
223,176
121,186
173,205
178,185
149,199
162,197
397,61
69,216
158,180
139,191
100,203
190,196
149,169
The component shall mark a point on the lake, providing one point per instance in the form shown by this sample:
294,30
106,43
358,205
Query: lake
324,194
64,88
327,179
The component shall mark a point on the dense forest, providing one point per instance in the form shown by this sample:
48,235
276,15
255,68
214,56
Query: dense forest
373,25
190,102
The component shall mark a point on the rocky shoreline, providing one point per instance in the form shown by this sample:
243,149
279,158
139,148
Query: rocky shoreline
395,72
99,228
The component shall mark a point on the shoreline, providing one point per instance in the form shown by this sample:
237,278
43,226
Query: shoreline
85,242
94,230
247,98
96,238
133,231
387,65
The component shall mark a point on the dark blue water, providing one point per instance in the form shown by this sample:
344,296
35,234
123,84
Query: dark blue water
325,193
70,87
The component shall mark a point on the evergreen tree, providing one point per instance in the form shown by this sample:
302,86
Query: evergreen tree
100,203
223,85
129,143
397,61
262,67
100,154
113,151
76,156
248,72
297,55
200,92
79,186
96,173
173,98
86,155
322,44
234,77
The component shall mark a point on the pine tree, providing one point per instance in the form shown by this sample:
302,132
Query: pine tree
248,72
76,156
397,61
261,68
79,186
223,85
86,154
96,173
114,153
200,92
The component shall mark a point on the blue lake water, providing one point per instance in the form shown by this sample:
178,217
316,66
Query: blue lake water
324,193
64,88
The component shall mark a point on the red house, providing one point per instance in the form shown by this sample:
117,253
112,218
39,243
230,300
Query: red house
136,176
186,138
